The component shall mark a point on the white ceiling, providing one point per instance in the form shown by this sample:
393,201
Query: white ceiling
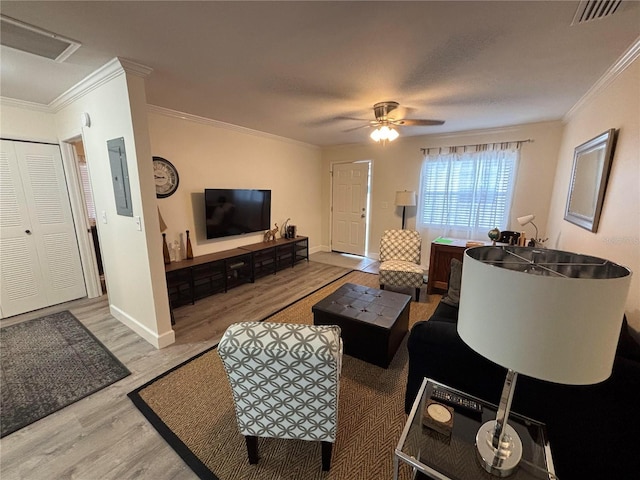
292,68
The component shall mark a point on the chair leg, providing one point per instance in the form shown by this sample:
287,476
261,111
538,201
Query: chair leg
326,455
417,294
252,448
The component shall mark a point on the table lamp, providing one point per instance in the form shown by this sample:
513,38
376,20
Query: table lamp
524,220
548,314
405,199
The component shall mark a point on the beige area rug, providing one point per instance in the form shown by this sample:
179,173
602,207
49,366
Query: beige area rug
192,408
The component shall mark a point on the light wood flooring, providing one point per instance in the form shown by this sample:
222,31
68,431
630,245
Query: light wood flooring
104,436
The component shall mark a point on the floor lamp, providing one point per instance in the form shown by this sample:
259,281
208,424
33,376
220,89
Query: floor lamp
405,199
548,314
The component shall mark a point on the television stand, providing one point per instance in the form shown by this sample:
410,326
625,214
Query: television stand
205,275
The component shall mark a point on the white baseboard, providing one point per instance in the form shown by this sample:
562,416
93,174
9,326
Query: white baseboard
319,248
158,341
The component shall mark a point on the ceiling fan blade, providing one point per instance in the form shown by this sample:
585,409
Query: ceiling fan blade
352,118
356,128
408,122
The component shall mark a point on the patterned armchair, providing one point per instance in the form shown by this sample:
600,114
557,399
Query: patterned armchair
400,260
285,382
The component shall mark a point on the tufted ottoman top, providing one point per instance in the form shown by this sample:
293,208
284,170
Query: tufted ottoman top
364,304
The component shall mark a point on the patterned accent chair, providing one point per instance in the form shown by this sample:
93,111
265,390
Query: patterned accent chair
400,260
285,382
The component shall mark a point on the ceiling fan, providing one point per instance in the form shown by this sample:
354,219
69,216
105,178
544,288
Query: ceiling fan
385,121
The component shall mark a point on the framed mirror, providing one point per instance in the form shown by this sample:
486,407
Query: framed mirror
591,165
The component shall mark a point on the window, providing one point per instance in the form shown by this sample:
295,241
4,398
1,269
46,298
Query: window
467,191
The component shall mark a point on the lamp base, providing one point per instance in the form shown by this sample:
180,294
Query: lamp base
503,460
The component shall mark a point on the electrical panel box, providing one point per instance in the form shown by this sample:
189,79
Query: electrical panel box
120,176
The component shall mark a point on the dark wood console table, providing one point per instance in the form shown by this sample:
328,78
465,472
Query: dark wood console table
199,277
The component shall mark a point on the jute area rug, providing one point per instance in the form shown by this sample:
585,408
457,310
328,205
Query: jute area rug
192,408
48,363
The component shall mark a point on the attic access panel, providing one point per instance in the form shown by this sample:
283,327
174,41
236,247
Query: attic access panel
37,41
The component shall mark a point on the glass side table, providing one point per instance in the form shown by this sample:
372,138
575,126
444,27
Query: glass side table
453,456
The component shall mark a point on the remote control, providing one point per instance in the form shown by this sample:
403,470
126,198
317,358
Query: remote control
455,400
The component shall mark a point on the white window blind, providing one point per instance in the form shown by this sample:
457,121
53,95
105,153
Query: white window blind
86,189
467,191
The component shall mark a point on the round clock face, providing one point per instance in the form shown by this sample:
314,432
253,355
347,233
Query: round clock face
166,177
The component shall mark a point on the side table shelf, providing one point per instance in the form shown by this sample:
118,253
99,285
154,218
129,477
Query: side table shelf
452,455
199,277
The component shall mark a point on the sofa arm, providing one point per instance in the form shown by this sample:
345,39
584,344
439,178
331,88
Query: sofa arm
436,351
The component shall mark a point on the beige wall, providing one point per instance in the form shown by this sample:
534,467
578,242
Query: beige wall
396,166
618,235
17,123
132,257
209,155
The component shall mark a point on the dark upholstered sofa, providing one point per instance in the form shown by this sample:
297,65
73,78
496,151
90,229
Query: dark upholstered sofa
594,430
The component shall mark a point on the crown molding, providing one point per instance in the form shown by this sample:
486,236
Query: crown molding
134,68
112,69
14,102
487,131
167,112
626,59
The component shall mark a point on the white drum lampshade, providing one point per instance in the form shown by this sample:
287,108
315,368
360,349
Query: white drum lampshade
548,314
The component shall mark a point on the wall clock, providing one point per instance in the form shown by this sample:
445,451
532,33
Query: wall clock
166,177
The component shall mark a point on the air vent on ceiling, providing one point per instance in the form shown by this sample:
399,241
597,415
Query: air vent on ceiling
595,9
31,39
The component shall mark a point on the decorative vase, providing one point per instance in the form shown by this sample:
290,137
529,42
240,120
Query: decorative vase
176,247
165,249
189,249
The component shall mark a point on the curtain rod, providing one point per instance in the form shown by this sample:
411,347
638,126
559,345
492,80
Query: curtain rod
478,146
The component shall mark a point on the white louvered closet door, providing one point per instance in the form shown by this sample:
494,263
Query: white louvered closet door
39,258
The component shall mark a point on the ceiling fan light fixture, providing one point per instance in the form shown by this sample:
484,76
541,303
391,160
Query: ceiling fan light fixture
384,133
393,134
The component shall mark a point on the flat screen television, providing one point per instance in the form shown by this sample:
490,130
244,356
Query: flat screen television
232,211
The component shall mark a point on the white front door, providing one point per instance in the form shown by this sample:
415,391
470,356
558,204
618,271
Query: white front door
39,258
349,207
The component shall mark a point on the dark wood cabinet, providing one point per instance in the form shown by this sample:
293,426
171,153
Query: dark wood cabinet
238,270
301,250
263,258
208,278
442,251
179,287
269,257
199,277
284,256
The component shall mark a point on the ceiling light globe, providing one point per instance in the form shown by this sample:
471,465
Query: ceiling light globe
392,135
375,135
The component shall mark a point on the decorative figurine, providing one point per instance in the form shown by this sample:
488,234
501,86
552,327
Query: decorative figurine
271,234
284,233
494,235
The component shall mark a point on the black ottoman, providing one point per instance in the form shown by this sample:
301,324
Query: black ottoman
373,321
